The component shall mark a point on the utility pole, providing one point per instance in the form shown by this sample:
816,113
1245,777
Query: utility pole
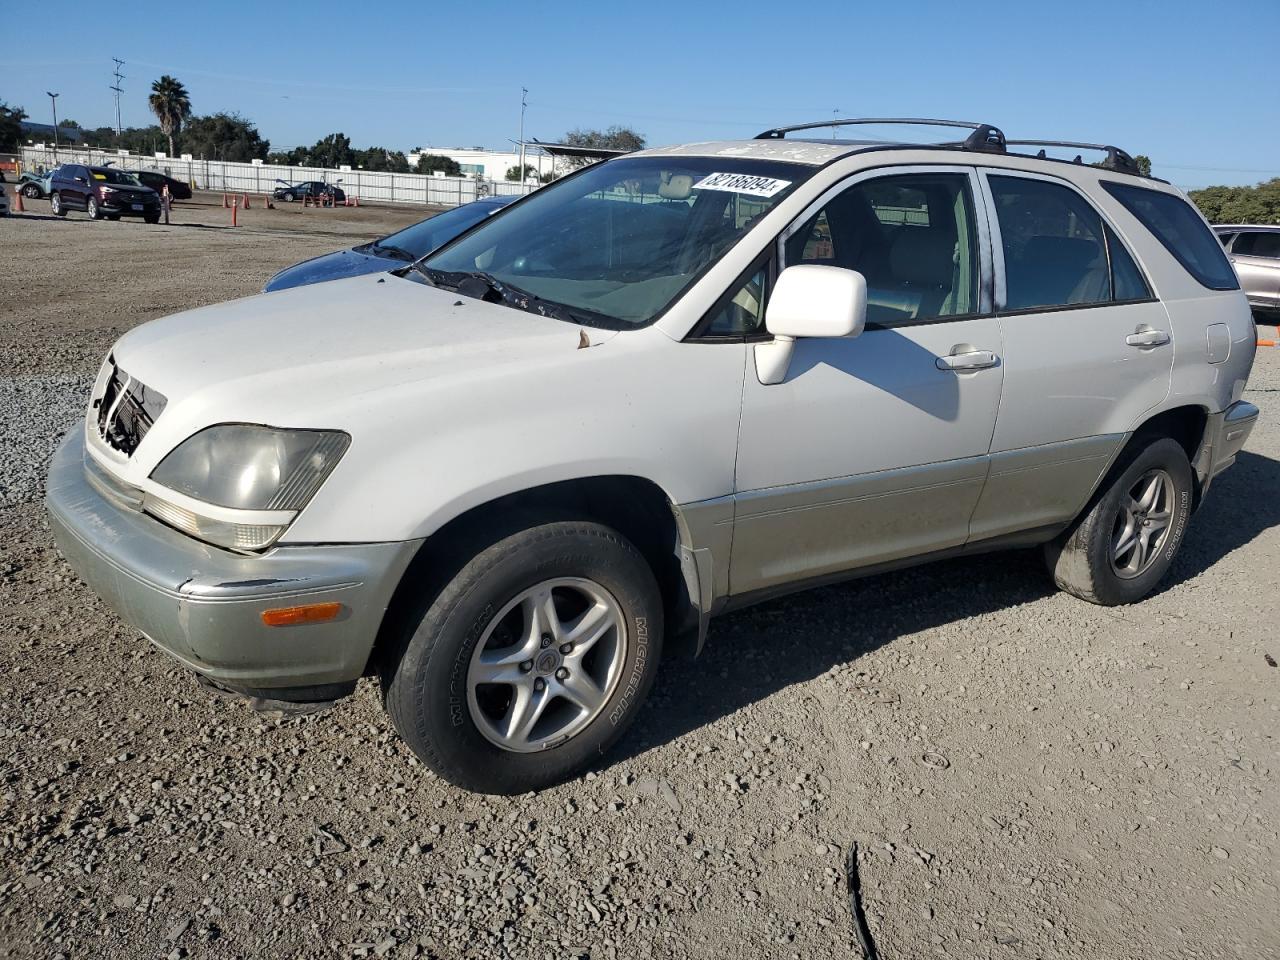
835,113
53,98
524,102
119,76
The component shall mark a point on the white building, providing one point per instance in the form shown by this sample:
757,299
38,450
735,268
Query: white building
489,164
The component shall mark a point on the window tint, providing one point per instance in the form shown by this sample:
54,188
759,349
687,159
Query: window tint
741,314
911,236
1180,229
1258,245
1054,251
1127,280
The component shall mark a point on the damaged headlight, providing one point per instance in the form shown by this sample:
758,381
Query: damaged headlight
240,485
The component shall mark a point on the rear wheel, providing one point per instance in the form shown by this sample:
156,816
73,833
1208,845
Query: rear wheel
531,662
1124,543
55,205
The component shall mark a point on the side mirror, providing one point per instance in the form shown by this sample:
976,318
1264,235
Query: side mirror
809,300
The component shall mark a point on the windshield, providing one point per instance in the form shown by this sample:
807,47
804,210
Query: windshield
421,238
624,239
114,176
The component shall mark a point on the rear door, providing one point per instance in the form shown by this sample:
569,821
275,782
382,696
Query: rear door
1087,348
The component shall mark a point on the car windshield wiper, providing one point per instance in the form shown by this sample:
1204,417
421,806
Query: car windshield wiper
521,299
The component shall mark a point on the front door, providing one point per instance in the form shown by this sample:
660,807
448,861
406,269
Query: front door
875,448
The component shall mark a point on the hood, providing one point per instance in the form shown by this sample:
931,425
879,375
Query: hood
325,355
331,266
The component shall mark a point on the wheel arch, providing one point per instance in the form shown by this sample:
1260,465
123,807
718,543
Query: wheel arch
1188,425
636,507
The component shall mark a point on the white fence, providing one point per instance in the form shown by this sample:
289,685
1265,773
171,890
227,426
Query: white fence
223,176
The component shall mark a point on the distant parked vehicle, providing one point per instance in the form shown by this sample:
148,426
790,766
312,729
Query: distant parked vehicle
309,188
35,186
101,192
1255,253
411,243
158,181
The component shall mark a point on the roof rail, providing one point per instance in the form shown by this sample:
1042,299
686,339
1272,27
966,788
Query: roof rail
1116,159
984,138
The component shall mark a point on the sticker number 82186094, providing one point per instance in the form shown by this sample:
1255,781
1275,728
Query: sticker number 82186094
742,183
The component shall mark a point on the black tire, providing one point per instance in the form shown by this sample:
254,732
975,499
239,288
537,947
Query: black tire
1081,559
92,209
287,197
152,218
31,191
55,205
425,681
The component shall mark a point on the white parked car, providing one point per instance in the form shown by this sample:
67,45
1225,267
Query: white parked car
509,478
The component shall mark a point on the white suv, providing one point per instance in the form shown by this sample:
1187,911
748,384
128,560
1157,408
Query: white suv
510,477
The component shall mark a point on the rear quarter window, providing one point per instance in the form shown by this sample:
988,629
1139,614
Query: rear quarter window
1180,229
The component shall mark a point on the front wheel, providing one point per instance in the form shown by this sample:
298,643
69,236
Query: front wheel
92,209
531,662
1124,543
55,205
287,197
31,191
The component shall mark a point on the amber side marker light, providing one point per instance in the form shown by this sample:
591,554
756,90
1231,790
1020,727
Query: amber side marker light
310,613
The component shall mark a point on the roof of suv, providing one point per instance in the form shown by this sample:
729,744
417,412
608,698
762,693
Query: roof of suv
984,139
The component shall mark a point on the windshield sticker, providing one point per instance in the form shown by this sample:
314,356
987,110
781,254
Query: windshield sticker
742,183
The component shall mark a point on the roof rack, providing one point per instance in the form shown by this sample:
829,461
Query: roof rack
984,138
1116,160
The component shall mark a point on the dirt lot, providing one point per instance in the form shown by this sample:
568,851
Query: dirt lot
1026,775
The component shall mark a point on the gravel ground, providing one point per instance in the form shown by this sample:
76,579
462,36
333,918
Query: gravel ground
1025,775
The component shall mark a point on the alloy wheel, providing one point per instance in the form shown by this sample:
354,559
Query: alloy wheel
547,664
1142,524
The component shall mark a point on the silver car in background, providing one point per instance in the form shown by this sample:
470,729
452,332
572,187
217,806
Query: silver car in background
1255,253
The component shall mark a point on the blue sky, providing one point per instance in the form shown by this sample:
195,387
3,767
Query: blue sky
1189,84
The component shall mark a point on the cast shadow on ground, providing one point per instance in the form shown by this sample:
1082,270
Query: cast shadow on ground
754,653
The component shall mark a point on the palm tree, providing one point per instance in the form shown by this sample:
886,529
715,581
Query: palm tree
171,105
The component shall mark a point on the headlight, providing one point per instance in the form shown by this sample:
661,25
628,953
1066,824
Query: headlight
241,485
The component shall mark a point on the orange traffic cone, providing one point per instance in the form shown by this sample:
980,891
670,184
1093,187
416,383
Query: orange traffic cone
17,202
225,204
246,201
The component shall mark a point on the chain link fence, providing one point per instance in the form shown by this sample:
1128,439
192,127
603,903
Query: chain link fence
223,176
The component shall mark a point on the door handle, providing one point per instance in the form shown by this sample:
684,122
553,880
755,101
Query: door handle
1146,336
969,360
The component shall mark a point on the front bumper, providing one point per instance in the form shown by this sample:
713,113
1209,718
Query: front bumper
125,209
203,605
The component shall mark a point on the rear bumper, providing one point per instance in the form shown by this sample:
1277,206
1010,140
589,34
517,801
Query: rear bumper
1224,436
203,605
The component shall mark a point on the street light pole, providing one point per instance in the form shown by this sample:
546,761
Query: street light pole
524,94
53,98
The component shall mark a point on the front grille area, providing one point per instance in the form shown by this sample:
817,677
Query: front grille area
126,410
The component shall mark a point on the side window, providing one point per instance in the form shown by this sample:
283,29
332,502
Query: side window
912,236
1127,281
1054,249
1225,238
1182,232
741,313
1258,245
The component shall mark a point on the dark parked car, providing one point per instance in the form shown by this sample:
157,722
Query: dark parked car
411,243
33,185
158,181
101,192
309,188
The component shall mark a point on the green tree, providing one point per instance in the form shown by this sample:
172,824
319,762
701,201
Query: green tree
431,162
171,104
530,172
1144,164
332,151
615,138
224,136
1256,204
10,127
380,158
